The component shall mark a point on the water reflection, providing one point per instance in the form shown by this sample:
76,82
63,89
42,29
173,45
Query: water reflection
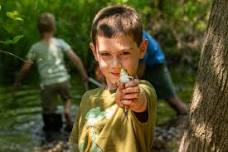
21,120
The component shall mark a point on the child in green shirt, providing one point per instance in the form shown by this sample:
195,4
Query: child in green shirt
121,116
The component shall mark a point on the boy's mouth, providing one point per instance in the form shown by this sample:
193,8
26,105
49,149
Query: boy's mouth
116,74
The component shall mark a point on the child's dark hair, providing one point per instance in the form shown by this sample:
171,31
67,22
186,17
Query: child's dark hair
113,20
46,23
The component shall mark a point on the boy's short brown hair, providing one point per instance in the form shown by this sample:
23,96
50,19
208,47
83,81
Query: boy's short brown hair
46,23
117,19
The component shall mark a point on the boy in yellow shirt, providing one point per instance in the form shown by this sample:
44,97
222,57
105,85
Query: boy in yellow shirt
121,116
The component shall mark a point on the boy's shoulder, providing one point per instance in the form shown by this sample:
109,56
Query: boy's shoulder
36,44
146,83
61,43
55,40
148,87
93,93
91,97
58,39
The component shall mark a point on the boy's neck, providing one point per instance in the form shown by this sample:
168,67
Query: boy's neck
46,39
111,86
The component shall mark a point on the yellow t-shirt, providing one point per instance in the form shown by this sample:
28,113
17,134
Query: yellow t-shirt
101,126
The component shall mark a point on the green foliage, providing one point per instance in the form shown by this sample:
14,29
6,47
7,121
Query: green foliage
18,23
14,15
7,19
12,41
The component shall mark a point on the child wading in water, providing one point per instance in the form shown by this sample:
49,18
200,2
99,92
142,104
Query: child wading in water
48,54
121,116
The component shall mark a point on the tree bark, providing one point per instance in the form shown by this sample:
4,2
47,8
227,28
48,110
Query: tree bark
207,127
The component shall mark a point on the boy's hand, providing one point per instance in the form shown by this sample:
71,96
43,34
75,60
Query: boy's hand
129,95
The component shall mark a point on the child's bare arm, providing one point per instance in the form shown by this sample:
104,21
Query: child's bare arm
77,62
24,70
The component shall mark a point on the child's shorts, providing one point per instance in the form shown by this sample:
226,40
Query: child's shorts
160,78
50,94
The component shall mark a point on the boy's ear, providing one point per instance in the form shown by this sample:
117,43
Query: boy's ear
143,48
93,48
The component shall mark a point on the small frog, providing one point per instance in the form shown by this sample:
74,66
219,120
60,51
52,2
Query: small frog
124,78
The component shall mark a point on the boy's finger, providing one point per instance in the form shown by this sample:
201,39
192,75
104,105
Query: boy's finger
130,96
119,93
131,90
132,83
118,96
126,102
120,105
120,86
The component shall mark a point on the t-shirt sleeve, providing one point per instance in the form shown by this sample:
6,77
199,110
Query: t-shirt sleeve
31,55
151,97
145,130
64,45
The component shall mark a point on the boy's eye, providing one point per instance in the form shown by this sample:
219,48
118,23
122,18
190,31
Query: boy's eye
125,53
104,54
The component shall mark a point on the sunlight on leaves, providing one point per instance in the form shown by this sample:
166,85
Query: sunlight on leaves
201,26
13,41
121,1
14,15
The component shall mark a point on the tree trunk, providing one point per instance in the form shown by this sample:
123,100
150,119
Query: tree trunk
207,127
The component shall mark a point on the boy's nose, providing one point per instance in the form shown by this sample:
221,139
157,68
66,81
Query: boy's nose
116,63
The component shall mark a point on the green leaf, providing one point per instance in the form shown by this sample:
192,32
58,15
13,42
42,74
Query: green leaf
13,41
14,15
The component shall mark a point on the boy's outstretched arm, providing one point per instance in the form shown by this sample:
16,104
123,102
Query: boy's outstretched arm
77,62
129,95
21,75
133,97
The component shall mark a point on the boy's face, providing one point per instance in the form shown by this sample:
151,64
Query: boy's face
115,53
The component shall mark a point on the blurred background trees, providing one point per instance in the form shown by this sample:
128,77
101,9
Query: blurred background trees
178,26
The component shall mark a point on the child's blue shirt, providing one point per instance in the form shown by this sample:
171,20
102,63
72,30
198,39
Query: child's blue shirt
154,54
